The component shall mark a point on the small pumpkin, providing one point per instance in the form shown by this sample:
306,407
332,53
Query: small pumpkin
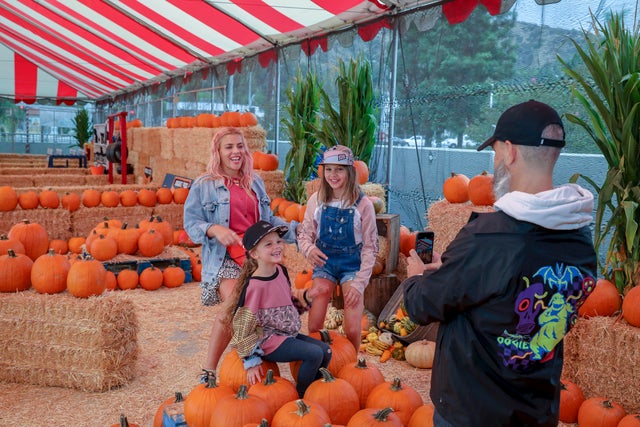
274,390
151,278
335,395
49,273
605,300
33,236
173,276
269,162
164,195
128,198
375,417
15,272
49,199
157,419
150,243
630,420
6,243
631,306
8,198
75,244
29,200
423,416
127,279
571,398
599,411
362,171
147,197
239,409
420,354
362,377
180,195
233,374
71,201
300,413
404,400
87,277
104,248
110,198
199,403
456,188
480,189
110,281
91,197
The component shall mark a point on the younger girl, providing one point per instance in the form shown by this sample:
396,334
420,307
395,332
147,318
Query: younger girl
266,316
339,237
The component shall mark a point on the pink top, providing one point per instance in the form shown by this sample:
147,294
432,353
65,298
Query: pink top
243,209
365,232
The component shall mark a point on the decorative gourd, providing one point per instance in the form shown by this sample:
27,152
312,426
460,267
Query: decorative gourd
6,243
599,411
571,397
104,248
362,377
423,416
481,189
631,306
150,243
335,395
29,200
456,188
127,279
91,198
49,273
15,272
362,171
420,354
33,237
128,198
49,199
605,300
375,417
300,413
274,390
199,403
157,419
110,198
147,197
8,198
164,195
233,374
236,411
342,351
173,276
180,195
87,277
151,278
403,399
71,201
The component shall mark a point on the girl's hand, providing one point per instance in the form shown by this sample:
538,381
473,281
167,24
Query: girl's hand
351,297
224,235
415,266
254,375
317,258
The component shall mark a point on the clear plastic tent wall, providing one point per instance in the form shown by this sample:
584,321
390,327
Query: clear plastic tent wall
440,89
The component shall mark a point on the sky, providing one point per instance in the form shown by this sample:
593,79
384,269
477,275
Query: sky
572,14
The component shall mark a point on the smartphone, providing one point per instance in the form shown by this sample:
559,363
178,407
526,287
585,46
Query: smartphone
424,245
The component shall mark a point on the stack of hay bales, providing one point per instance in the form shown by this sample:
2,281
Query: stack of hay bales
62,341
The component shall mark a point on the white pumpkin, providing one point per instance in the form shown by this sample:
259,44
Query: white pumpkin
420,354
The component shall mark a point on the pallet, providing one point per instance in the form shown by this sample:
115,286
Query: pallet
389,226
169,256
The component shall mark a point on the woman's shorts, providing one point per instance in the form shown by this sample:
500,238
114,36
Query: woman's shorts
210,290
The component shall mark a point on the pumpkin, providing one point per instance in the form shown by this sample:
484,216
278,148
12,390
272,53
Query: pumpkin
127,239
600,412
342,351
631,306
630,420
147,197
292,213
6,243
29,200
33,237
302,278
49,273
87,277
71,201
164,195
157,419
571,397
15,272
456,188
59,246
151,278
248,119
110,281
150,243
335,395
269,162
378,204
420,354
480,189
164,228
362,377
173,276
275,202
407,240
236,411
75,244
300,413
403,399
199,403
124,422
91,198
263,423
127,279
375,417
423,416
362,171
233,374
49,199
128,198
8,198
196,271
104,248
110,198
274,390
180,195
605,300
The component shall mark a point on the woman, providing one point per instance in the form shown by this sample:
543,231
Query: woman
222,204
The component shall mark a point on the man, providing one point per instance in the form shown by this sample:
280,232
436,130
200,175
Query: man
508,287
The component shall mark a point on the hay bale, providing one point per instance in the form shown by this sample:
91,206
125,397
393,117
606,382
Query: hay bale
57,222
273,182
43,171
62,341
295,261
256,137
446,219
46,181
85,219
16,181
172,212
601,356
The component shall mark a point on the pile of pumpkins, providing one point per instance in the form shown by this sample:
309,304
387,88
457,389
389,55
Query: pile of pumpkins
210,120
458,188
350,393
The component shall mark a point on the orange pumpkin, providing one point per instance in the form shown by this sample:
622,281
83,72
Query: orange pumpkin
33,237
87,277
147,197
29,200
343,352
8,198
248,119
605,300
362,171
362,377
127,279
571,398
6,243
423,416
103,248
49,273
49,199
302,278
110,198
164,195
375,417
157,419
127,239
71,201
275,390
128,198
90,198
59,246
239,409
269,162
630,420
407,240
199,403
15,272
598,411
335,395
480,189
151,278
110,280
292,213
232,371
173,276
150,243
300,413
456,188
75,244
180,195
403,399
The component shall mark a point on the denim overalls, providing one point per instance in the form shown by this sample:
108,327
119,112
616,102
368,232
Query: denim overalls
336,239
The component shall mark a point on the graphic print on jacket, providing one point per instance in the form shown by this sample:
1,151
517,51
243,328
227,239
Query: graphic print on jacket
546,309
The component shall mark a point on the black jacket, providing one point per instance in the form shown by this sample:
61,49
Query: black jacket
506,294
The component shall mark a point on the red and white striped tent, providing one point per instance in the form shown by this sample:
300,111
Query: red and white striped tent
90,49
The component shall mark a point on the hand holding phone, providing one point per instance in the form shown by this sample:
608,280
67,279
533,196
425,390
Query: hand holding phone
424,246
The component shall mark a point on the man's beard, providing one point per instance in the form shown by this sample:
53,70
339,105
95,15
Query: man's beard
501,180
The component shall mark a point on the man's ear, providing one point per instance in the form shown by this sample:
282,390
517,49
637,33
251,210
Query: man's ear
510,152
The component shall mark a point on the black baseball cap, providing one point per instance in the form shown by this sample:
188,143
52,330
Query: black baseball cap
257,231
523,124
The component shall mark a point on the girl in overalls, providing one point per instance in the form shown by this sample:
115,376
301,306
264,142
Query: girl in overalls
339,238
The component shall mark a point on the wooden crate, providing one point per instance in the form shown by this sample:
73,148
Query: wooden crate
389,227
380,290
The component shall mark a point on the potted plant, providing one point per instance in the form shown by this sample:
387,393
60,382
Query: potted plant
609,91
82,129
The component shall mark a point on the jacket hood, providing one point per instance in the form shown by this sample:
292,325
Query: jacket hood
566,207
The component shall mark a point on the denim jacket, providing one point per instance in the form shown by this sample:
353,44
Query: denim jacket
208,203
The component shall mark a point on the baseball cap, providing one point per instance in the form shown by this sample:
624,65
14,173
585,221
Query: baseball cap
338,155
523,124
257,231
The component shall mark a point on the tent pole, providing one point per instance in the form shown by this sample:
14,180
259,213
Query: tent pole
392,101
277,118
